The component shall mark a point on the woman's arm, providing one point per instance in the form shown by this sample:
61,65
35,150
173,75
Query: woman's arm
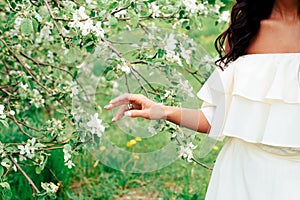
143,107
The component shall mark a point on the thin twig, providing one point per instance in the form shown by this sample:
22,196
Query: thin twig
23,65
119,54
126,83
54,21
116,11
31,183
194,75
10,7
148,83
139,82
201,164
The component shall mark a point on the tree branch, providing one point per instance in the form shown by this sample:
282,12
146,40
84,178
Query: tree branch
31,183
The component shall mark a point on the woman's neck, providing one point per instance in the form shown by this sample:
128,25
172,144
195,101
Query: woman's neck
286,10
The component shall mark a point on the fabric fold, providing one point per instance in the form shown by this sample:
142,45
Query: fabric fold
257,99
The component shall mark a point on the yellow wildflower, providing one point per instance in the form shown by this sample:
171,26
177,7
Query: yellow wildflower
130,143
216,148
102,148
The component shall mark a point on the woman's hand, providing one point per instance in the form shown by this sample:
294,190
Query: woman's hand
141,107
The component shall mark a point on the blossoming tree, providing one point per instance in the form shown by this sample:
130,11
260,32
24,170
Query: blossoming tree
43,46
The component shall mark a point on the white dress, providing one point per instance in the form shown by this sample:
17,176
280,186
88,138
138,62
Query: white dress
260,116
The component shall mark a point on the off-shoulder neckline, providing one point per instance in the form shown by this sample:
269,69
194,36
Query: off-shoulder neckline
271,54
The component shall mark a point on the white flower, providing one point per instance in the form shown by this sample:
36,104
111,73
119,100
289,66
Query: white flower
67,156
5,164
18,22
190,5
50,55
75,91
65,31
49,187
171,43
184,85
154,10
83,22
24,86
15,167
37,99
12,112
37,16
45,34
201,7
124,68
23,149
224,17
67,149
2,109
86,27
96,125
53,187
173,57
120,13
69,164
186,54
152,130
97,29
187,151
2,115
81,13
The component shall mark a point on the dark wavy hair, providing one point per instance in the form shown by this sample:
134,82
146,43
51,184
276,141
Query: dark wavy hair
244,25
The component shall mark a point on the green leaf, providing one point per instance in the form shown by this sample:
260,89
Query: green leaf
7,193
5,190
160,53
110,75
91,48
1,171
5,185
4,123
39,145
185,24
10,19
113,21
26,26
134,19
39,169
35,25
113,5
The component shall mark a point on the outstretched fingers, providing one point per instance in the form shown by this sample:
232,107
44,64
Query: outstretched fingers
120,113
135,113
120,100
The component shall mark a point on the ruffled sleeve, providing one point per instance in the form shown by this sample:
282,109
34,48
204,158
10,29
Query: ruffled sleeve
216,95
257,99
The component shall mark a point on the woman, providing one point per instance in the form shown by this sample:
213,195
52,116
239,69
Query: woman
261,158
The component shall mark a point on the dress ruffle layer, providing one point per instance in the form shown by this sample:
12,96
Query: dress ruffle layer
257,99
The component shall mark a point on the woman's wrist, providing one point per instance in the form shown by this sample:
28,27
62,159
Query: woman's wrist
167,111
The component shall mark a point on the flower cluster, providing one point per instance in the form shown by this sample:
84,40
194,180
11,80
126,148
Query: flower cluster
27,150
82,21
186,151
67,156
49,187
95,125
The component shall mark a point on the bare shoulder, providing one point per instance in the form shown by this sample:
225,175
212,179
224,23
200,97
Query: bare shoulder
276,37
